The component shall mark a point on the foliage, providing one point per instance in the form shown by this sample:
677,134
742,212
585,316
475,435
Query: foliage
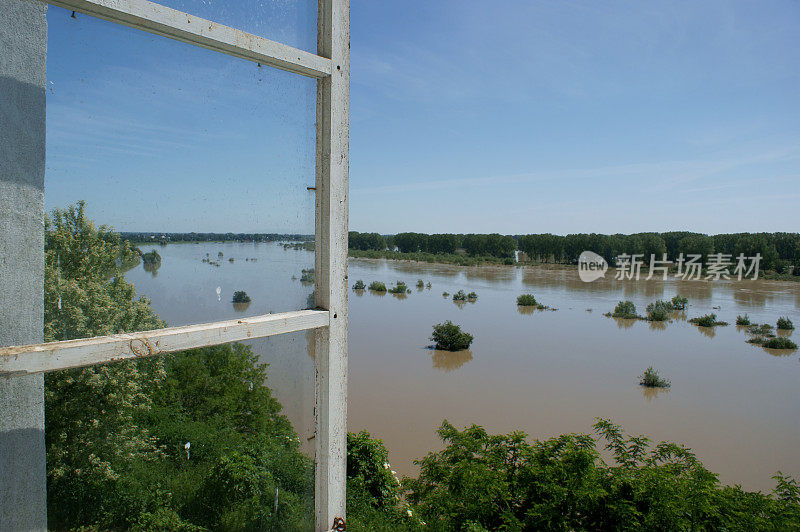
743,320
240,296
625,309
527,300
709,320
784,323
399,288
678,302
659,310
445,294
366,241
651,379
307,275
780,342
449,337
151,258
359,285
765,329
377,286
420,284
472,296
481,481
460,296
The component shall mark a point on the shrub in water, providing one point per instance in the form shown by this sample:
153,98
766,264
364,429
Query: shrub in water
240,296
658,311
472,296
449,337
785,324
307,276
625,309
743,320
460,296
709,320
527,300
778,343
377,286
651,379
401,288
359,285
445,294
678,302
420,284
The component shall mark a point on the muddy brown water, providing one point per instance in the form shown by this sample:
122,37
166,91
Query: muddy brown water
543,372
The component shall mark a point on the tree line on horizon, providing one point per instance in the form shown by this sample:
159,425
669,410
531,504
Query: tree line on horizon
778,251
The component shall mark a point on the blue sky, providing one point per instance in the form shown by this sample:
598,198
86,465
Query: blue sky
510,117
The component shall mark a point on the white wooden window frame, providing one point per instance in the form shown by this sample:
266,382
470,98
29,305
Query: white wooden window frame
330,66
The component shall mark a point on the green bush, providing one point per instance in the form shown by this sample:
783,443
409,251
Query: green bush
359,285
709,320
659,311
420,284
400,288
651,379
151,258
743,320
483,481
527,300
785,324
449,337
240,296
625,309
678,302
307,276
445,294
460,296
765,329
472,296
377,286
779,342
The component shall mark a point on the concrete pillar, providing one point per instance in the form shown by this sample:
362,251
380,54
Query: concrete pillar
23,53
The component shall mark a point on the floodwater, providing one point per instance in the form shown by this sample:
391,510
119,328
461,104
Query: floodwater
543,372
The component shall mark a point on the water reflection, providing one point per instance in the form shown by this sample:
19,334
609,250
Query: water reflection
658,325
450,360
707,331
459,303
152,268
242,306
401,296
650,393
526,310
625,323
359,293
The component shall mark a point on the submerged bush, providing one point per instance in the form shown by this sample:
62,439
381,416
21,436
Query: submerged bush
151,257
445,294
460,296
527,300
472,296
785,324
307,276
709,320
678,302
449,337
765,329
240,296
420,284
779,342
659,311
651,379
743,320
377,286
400,288
625,309
359,285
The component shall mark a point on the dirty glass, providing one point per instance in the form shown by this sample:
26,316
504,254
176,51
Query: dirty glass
177,192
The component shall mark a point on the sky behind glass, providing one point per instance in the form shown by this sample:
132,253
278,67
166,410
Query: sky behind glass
510,117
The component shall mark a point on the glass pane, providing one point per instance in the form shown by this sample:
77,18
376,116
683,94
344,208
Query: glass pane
194,168
293,23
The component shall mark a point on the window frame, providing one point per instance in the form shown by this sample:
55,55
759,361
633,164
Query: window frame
330,66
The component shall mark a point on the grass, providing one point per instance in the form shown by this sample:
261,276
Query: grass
743,320
709,320
785,324
450,337
240,296
399,288
651,379
460,296
377,286
659,310
359,285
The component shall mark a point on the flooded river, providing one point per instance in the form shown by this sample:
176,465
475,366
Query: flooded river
544,372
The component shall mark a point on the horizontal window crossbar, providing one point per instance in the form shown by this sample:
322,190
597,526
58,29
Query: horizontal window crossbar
168,22
39,358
